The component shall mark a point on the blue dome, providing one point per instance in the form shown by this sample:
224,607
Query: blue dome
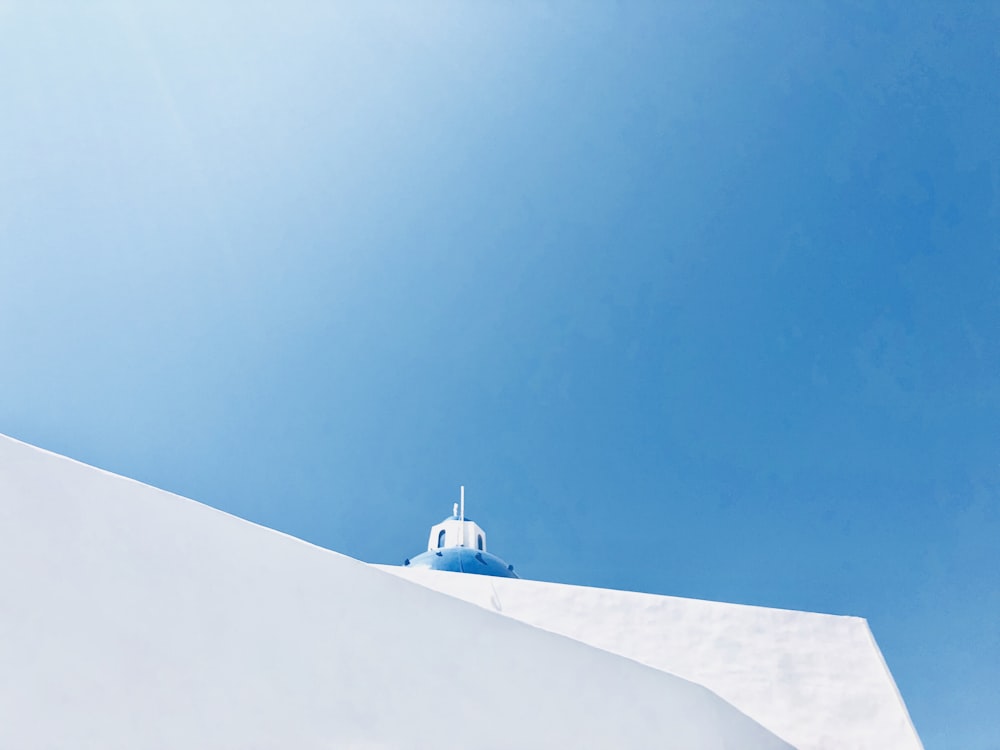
463,560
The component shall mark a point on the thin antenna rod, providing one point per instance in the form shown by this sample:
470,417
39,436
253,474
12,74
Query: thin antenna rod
462,537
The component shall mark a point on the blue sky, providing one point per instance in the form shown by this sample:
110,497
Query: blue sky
698,299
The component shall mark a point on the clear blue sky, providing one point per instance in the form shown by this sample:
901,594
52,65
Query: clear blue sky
695,298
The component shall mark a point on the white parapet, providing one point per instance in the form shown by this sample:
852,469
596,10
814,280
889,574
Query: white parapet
817,681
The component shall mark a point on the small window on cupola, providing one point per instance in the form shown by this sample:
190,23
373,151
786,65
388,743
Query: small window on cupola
479,541
441,538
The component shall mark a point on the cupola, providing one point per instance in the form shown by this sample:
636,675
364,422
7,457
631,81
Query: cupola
458,544
457,531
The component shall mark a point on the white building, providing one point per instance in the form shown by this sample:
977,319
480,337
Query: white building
134,618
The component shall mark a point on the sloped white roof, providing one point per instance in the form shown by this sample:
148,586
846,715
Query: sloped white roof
817,681
133,618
